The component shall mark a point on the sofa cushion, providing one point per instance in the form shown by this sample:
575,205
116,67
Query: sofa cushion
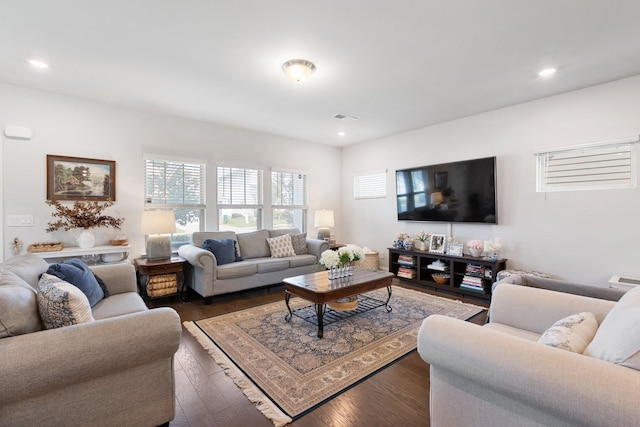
237,269
224,250
618,337
61,304
299,243
28,267
281,246
77,273
118,305
573,333
254,244
18,306
267,265
302,260
282,231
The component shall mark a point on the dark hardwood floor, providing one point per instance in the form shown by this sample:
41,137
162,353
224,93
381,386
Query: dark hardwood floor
205,396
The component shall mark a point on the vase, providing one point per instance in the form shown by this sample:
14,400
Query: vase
422,246
86,239
475,252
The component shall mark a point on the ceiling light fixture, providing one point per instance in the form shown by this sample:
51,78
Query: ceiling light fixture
547,72
38,64
342,133
298,69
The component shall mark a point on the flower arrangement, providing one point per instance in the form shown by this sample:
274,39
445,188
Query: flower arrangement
422,236
342,256
475,244
329,258
403,236
81,215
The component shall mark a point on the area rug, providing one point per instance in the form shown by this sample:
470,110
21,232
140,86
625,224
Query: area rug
287,371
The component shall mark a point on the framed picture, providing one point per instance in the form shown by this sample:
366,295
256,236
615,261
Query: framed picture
440,179
437,243
77,178
455,249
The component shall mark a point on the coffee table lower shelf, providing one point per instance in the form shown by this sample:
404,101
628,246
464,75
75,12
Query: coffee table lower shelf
320,316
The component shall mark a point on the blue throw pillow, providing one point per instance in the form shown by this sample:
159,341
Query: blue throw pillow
78,274
224,250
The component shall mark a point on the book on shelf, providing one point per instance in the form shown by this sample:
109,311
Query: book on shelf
472,288
407,273
407,260
438,267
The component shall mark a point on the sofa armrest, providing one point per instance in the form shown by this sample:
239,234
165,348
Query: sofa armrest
317,246
569,386
35,363
535,310
118,277
199,258
599,292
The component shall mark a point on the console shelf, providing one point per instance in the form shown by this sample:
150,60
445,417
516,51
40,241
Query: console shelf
468,276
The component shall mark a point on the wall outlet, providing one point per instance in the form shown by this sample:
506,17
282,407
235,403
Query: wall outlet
19,220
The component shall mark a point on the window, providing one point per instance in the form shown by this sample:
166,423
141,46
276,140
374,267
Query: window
239,199
370,185
177,185
603,165
289,200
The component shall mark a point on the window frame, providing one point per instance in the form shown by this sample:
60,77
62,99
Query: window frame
302,207
259,196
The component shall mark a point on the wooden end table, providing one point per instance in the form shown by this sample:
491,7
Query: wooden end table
147,269
318,289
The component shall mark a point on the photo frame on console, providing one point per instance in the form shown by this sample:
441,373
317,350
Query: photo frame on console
455,249
437,243
78,178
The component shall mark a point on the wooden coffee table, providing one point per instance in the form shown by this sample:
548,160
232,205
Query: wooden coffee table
318,289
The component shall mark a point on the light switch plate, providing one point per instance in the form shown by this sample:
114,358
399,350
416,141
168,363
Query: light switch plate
20,220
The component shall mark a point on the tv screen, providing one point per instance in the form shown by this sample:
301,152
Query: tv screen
449,192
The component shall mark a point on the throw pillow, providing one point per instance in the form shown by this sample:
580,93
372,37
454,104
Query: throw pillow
224,250
18,307
573,333
78,274
281,246
61,304
299,243
618,337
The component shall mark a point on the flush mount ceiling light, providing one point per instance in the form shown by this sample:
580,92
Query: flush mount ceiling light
38,64
298,69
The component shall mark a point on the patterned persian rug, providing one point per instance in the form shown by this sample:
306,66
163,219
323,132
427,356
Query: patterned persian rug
286,370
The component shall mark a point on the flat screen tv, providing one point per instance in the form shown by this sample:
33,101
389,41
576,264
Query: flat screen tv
457,192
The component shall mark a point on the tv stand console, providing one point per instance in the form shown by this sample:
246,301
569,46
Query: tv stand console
468,276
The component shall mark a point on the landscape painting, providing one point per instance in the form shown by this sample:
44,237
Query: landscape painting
76,178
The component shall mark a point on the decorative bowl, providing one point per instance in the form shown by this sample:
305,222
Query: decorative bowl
475,252
440,277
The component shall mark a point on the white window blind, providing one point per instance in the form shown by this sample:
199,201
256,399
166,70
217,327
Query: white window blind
174,183
239,187
370,185
289,200
602,165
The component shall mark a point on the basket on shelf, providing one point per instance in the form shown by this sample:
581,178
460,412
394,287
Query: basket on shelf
440,277
371,261
45,247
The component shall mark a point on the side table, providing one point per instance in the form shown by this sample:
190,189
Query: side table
160,278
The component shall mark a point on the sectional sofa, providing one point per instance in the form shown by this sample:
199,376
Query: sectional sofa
258,266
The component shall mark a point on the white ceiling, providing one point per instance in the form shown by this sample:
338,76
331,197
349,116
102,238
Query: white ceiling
396,65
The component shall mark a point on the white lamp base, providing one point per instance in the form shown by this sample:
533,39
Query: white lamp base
158,247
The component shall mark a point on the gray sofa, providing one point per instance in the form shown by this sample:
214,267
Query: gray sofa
114,371
257,269
499,375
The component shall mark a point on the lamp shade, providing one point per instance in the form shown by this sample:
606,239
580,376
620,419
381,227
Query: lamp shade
436,198
158,222
324,218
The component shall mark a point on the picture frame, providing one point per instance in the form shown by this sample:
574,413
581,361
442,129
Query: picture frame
455,249
440,179
437,243
79,178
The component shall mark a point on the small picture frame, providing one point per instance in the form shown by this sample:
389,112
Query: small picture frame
455,249
437,243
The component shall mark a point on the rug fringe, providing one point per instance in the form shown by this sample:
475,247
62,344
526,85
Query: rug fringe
253,393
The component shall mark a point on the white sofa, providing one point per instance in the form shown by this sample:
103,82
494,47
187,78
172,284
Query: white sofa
257,269
499,375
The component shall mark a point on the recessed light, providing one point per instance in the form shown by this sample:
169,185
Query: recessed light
547,72
38,64
342,133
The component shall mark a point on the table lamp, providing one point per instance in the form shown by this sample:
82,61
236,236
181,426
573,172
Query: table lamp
324,220
158,225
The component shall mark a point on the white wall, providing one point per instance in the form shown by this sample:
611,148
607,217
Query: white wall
584,235
69,126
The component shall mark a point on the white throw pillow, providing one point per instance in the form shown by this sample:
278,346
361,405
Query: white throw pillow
573,333
61,304
281,246
618,337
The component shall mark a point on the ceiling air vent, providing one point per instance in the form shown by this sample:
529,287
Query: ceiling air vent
344,117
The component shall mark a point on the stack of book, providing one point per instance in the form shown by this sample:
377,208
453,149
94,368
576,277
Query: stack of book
407,265
473,278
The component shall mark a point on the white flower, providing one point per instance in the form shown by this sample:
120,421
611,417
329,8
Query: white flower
350,253
329,258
